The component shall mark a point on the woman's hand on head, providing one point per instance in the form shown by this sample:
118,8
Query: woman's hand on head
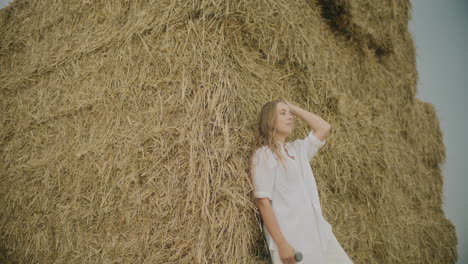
291,106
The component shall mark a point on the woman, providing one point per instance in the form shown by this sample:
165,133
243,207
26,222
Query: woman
285,190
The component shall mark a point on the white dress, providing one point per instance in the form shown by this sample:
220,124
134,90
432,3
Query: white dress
295,201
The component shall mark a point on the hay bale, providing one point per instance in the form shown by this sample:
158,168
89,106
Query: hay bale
126,129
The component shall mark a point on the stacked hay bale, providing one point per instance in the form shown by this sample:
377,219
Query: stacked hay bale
127,126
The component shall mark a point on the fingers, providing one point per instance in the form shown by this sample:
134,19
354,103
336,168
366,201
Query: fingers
288,260
293,260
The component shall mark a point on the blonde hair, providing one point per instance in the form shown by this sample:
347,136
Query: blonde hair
266,128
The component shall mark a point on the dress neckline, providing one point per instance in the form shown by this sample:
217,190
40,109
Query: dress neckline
285,151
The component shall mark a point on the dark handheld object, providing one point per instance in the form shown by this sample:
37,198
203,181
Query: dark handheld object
298,256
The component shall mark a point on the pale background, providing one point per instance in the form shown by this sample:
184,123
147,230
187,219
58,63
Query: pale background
439,29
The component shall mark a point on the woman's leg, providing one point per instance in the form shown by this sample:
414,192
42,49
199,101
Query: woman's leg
335,254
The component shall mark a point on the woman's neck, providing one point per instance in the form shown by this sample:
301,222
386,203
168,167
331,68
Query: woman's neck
281,140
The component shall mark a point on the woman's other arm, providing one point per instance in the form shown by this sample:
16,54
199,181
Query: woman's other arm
285,250
263,175
269,218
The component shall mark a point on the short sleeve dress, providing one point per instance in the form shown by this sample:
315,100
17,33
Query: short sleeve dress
294,197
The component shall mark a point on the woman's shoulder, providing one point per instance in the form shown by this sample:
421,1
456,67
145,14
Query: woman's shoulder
264,153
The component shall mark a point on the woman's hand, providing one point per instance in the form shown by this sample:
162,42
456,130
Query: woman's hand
320,127
286,253
291,106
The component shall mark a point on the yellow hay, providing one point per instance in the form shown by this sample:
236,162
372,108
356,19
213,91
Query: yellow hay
127,126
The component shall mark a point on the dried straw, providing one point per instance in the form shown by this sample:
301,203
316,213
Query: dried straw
127,126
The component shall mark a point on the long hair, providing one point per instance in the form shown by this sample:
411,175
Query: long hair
266,128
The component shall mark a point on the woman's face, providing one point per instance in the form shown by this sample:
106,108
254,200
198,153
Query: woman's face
284,119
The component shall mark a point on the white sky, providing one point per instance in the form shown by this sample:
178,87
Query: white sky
439,29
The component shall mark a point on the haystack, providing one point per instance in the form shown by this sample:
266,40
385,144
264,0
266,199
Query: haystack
126,129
